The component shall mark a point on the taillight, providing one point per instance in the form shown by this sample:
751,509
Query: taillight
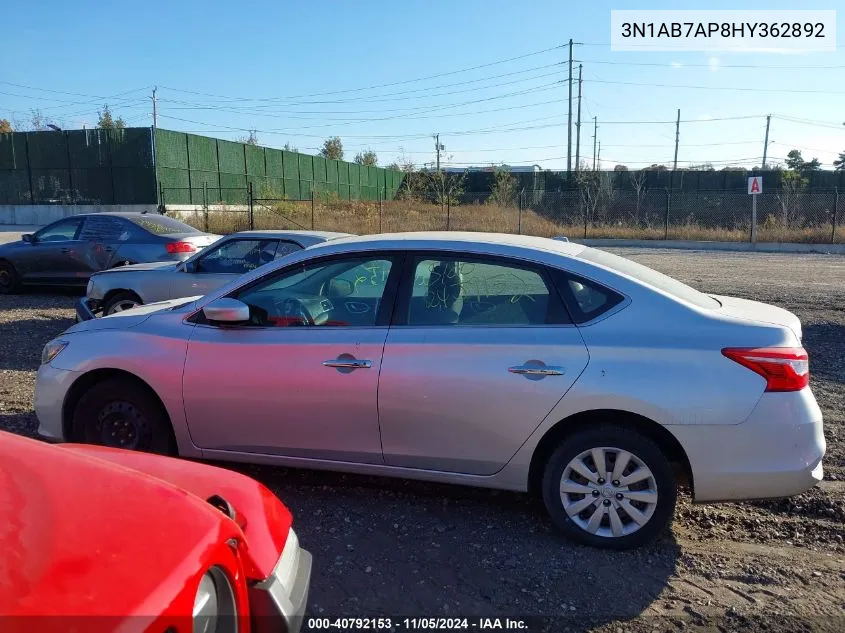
180,247
784,368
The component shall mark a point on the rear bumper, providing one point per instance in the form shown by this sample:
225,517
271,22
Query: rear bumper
87,309
776,452
278,603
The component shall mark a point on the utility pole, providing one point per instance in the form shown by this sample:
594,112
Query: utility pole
677,138
569,127
578,126
155,112
599,156
595,135
437,148
766,142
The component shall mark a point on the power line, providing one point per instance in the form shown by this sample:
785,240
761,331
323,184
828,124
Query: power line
739,89
270,101
388,85
682,65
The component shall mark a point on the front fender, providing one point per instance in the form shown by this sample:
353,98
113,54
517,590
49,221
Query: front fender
263,519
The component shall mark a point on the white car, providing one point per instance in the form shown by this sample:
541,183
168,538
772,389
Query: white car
125,287
503,361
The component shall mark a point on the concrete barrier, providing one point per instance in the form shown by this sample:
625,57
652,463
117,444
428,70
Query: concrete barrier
41,214
759,247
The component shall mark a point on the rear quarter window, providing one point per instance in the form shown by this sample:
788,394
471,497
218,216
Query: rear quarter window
162,225
649,277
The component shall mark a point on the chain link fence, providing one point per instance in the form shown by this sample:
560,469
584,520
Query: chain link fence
810,217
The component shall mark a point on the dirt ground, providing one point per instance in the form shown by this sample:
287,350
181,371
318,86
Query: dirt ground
400,549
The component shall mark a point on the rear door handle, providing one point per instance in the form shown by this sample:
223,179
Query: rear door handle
348,363
537,370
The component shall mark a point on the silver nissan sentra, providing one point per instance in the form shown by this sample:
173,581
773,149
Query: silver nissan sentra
503,361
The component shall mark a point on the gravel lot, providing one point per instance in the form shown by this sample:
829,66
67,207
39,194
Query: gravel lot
391,548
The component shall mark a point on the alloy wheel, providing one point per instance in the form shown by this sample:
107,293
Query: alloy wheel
608,492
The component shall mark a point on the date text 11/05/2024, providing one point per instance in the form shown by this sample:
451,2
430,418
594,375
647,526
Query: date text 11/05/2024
416,624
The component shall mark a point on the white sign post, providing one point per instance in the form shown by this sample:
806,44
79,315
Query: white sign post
755,188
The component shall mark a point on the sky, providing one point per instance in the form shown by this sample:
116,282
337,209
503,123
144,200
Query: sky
489,76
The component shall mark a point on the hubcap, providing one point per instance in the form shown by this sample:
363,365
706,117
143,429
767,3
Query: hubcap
120,306
608,492
122,425
5,277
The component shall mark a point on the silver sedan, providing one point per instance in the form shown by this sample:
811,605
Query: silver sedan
502,361
125,287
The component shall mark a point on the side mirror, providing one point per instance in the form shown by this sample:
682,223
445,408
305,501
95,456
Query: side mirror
226,310
189,267
27,237
339,288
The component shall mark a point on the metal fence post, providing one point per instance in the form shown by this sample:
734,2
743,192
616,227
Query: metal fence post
161,205
250,206
312,208
586,215
519,212
666,222
205,205
835,215
448,212
379,196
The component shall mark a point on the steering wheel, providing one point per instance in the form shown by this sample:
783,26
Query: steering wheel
293,311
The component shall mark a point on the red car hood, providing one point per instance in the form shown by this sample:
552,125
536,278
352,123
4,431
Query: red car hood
82,535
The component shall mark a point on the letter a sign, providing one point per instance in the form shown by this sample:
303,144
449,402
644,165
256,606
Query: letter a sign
755,185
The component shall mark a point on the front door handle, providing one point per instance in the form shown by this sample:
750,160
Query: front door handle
64,250
537,370
348,363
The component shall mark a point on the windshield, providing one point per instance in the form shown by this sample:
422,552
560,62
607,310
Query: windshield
161,225
649,276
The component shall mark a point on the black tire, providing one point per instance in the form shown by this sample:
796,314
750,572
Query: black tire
641,448
10,282
122,413
119,298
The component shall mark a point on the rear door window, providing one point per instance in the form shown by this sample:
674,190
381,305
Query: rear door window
161,224
104,229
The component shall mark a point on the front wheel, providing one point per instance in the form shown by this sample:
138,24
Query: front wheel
9,279
609,487
121,413
120,302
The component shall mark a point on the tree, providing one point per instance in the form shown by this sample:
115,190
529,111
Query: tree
444,188
252,139
107,122
38,122
796,162
792,185
620,168
368,158
839,163
503,191
5,126
638,182
289,148
394,166
332,148
656,167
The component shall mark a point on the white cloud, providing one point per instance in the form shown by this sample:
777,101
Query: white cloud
713,64
676,65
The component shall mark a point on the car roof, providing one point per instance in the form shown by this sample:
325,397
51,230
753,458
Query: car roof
457,240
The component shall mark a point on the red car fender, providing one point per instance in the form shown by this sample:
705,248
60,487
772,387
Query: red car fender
262,518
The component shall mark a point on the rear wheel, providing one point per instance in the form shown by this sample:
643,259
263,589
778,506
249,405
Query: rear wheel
9,279
120,302
121,413
609,487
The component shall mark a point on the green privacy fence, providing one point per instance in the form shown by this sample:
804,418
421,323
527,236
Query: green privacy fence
77,167
134,165
195,169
